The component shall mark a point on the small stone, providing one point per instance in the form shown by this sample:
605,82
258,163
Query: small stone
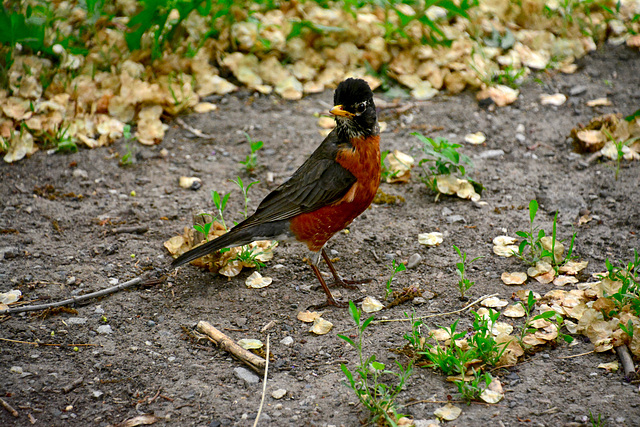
240,321
113,281
246,375
99,310
286,341
71,280
96,394
452,219
414,260
80,173
104,329
151,323
16,370
279,393
520,137
76,320
489,154
419,301
577,90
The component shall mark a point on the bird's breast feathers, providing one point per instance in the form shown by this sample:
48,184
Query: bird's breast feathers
362,159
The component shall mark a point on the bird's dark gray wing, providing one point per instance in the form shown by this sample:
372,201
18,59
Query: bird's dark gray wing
320,181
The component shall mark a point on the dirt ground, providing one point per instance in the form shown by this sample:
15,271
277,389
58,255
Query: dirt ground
139,359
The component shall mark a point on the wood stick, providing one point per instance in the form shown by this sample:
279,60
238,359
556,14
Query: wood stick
73,385
73,300
8,407
264,385
255,362
627,362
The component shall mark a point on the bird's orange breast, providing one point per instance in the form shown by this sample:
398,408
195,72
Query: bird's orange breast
363,161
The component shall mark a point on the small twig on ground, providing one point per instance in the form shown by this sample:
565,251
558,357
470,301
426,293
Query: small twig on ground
575,355
437,314
9,408
134,229
196,132
80,298
224,342
153,399
627,362
73,385
264,384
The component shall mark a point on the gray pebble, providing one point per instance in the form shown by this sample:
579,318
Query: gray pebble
246,375
104,329
452,219
414,260
76,320
286,341
577,90
240,321
489,154
151,323
419,301
80,173
520,137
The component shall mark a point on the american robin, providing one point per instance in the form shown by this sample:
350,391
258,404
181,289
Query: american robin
331,188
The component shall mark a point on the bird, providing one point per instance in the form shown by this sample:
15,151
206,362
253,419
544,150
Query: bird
333,186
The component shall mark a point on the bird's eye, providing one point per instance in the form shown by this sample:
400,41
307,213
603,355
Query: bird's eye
360,107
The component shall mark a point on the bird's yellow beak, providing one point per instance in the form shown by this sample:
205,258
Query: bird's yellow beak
339,110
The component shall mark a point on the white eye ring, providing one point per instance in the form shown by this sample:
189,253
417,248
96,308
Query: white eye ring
361,107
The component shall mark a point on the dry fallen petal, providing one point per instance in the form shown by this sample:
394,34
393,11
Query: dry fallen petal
523,294
321,326
10,297
564,280
501,328
573,267
555,99
546,277
440,334
610,366
475,138
448,412
140,420
514,310
494,302
190,182
400,165
491,396
532,340
515,278
326,122
256,281
308,316
250,344
204,107
430,239
505,251
370,305
504,240
599,102
500,94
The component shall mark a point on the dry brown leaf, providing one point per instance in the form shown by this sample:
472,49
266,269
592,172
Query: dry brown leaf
515,278
308,316
321,326
448,412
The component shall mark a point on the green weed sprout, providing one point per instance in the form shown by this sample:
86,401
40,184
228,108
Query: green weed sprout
377,397
244,190
464,284
126,158
251,162
482,340
471,390
549,315
221,204
534,240
629,292
620,145
396,268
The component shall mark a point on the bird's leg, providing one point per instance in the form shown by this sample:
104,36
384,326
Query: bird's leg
330,299
339,281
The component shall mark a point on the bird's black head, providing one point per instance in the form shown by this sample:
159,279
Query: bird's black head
354,109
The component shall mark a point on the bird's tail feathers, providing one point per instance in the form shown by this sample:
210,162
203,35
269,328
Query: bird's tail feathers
229,240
